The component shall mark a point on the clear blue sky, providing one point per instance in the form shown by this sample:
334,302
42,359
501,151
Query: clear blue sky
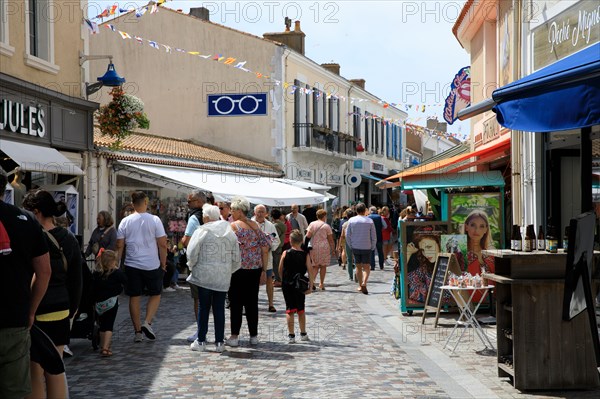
405,50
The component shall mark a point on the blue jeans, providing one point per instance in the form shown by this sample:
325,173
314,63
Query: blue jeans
215,300
379,254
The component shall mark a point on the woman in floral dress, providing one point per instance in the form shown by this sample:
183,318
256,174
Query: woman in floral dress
243,291
323,245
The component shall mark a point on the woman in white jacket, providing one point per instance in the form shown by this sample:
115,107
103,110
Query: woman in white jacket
213,255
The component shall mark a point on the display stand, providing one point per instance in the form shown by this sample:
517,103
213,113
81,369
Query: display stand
444,263
455,208
70,196
531,335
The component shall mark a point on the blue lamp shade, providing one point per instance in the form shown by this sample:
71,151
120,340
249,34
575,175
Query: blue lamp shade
111,78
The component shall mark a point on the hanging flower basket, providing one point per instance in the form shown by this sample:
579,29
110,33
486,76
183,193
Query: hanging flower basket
121,116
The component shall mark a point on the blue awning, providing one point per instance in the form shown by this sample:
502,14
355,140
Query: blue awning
371,177
562,96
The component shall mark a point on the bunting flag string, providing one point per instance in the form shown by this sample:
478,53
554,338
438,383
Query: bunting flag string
241,65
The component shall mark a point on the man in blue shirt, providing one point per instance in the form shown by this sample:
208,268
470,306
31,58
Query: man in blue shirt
378,221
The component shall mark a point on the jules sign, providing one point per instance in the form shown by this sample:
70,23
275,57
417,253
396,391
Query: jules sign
570,31
24,119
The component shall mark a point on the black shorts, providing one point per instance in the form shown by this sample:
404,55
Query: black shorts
362,256
107,319
294,301
138,280
58,330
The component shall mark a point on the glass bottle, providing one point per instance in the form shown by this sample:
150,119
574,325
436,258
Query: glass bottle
529,242
541,240
516,241
551,238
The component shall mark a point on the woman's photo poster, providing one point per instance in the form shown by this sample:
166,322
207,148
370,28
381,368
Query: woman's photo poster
479,217
422,242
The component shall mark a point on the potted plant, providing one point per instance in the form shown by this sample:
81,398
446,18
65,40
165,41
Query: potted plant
121,116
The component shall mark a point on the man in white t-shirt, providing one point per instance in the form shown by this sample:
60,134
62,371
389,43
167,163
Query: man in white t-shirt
145,241
260,214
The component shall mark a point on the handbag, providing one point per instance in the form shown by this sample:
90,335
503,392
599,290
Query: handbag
300,283
308,241
96,245
104,306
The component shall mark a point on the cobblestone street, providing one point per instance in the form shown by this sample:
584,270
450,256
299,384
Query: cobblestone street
361,346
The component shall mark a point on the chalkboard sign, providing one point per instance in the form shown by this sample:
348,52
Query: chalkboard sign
444,263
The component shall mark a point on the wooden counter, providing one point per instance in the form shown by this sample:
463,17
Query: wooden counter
536,348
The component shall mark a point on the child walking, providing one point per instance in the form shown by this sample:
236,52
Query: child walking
108,282
294,261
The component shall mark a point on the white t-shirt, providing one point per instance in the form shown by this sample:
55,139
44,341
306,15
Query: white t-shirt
140,231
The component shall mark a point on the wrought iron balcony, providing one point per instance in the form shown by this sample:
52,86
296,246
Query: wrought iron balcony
317,137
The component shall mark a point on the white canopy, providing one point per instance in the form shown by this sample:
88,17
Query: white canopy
224,186
36,158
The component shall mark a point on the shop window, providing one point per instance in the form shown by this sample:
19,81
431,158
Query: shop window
388,140
334,114
368,130
5,48
397,142
3,22
301,116
39,31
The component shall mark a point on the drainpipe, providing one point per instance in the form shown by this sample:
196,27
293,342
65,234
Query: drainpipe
517,136
284,148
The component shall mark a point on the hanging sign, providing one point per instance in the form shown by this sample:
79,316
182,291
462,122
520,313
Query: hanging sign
237,104
460,95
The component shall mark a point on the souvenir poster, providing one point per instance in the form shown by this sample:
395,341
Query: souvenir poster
456,244
421,243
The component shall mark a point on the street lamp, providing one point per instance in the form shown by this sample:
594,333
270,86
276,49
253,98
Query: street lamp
110,79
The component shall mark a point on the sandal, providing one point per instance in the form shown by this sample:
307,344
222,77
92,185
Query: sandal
272,309
106,353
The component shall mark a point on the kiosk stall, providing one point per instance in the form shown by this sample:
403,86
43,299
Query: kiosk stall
462,196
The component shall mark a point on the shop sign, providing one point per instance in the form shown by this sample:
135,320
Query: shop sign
16,117
491,130
361,165
304,175
570,31
378,168
335,179
237,104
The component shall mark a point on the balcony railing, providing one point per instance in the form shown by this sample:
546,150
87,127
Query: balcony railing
318,137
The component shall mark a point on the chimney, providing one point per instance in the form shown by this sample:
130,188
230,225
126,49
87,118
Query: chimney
201,13
332,67
358,82
293,39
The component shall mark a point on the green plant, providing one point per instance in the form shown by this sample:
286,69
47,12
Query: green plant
121,115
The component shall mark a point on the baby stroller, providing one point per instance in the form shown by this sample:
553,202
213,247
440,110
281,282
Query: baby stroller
85,324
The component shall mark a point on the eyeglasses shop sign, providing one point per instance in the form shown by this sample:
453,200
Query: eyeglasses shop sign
20,118
251,104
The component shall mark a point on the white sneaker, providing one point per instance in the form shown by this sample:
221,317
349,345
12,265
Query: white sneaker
304,338
198,346
291,340
67,351
253,340
169,289
138,337
147,330
220,347
175,286
233,342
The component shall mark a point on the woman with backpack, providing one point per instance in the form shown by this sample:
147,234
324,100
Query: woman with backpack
61,300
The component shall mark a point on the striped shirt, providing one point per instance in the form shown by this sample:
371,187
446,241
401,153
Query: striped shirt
361,234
